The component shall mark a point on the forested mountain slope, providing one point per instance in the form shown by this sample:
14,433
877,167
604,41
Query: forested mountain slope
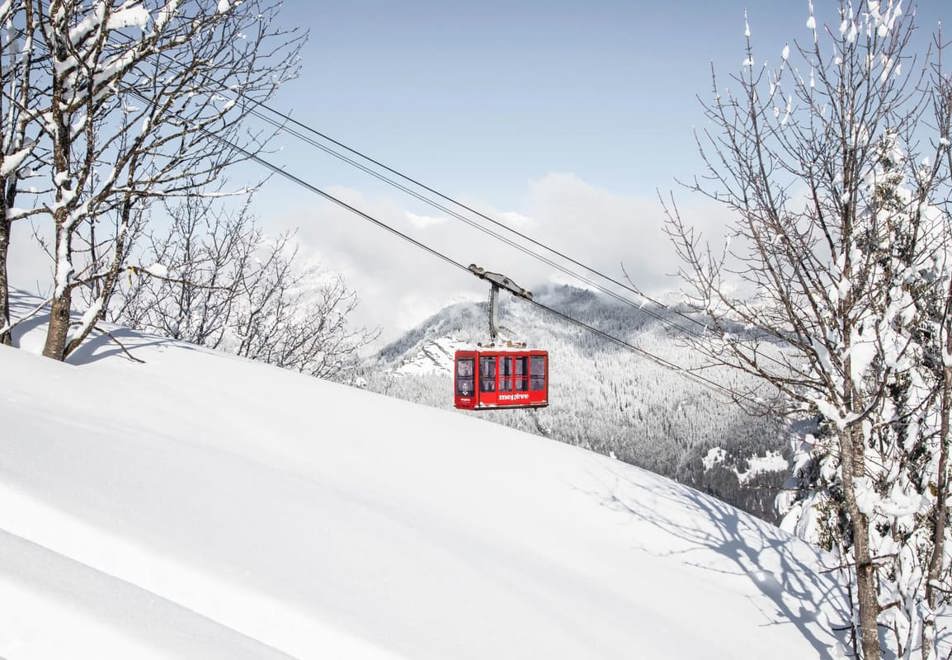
603,396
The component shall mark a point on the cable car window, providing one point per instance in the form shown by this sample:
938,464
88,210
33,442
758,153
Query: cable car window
537,373
487,374
464,377
506,369
522,374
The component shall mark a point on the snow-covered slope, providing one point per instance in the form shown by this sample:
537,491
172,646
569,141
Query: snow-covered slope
204,506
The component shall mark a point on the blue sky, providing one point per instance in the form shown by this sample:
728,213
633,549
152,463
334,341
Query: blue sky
484,96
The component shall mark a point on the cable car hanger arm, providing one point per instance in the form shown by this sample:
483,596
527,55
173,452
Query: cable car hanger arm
498,281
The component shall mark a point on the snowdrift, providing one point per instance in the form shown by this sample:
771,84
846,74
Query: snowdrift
203,506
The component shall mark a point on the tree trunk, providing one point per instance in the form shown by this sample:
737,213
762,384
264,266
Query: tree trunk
5,337
865,586
62,270
59,326
941,513
107,288
852,453
55,346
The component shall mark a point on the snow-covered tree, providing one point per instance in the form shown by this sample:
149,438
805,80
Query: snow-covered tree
21,89
836,169
904,487
144,100
215,279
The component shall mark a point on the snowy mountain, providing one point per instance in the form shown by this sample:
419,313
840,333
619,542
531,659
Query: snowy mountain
197,505
603,396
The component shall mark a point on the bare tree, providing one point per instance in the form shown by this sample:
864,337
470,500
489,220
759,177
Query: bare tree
189,276
833,170
216,280
146,101
20,91
298,319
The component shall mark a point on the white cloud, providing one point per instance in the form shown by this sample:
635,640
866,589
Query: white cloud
513,219
424,221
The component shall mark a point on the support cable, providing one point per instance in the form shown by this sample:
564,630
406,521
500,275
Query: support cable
283,172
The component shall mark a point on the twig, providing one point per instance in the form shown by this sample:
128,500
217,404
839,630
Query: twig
12,324
119,344
139,270
871,561
939,587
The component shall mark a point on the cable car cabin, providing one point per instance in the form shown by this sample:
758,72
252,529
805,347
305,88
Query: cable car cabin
501,378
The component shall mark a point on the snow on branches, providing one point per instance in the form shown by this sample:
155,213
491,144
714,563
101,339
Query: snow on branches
217,280
840,261
120,104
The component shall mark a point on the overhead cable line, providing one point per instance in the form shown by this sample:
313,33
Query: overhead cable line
469,221
282,127
452,200
667,364
289,119
283,172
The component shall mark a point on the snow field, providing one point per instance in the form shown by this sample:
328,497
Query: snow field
202,506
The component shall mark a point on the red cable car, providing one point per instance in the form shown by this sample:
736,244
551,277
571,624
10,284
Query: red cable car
501,378
509,376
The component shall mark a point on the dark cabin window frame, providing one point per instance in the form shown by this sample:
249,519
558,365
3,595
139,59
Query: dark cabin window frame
538,368
466,378
488,376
